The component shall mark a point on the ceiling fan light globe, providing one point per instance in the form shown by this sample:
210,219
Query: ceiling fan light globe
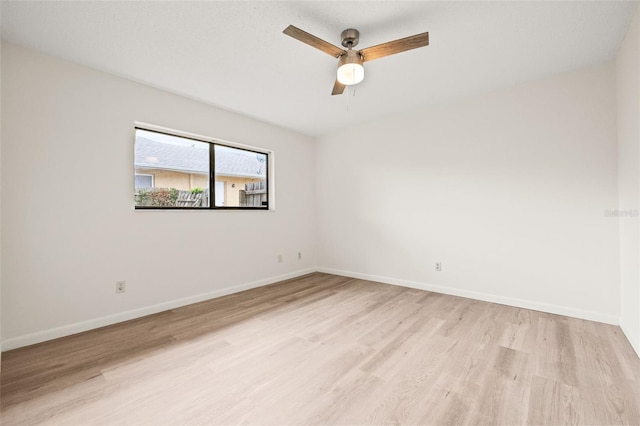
349,74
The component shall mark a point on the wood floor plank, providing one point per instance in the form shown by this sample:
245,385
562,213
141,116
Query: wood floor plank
555,350
554,403
505,390
325,349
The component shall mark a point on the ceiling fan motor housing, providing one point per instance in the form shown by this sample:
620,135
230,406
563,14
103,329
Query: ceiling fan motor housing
351,57
350,37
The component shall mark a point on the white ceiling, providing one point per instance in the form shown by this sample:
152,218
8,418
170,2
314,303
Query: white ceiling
233,54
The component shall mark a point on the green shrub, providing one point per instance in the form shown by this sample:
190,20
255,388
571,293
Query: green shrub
156,197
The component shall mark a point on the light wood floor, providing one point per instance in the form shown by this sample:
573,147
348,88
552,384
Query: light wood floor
324,349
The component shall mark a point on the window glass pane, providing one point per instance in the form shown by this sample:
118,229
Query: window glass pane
170,171
241,178
144,181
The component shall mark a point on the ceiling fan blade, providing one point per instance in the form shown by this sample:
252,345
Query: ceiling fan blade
396,46
338,88
314,41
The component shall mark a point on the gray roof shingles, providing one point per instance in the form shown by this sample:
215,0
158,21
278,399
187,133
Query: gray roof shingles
195,159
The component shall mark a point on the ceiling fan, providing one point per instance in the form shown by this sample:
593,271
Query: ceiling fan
350,69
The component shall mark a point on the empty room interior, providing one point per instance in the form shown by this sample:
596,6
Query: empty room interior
300,212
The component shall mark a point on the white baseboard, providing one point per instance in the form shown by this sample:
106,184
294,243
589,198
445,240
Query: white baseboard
66,330
634,340
79,327
519,303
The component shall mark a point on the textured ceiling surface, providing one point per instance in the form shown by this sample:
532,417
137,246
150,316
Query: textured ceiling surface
233,54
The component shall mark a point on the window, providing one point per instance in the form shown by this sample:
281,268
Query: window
183,172
144,181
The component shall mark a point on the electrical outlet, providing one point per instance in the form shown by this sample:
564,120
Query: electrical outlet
299,255
438,266
121,286
279,258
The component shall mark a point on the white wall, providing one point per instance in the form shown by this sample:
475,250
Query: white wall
69,227
628,95
508,190
0,208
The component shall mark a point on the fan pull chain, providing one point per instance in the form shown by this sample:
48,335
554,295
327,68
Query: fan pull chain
348,91
351,91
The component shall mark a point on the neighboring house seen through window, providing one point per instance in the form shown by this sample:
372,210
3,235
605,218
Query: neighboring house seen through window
173,172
